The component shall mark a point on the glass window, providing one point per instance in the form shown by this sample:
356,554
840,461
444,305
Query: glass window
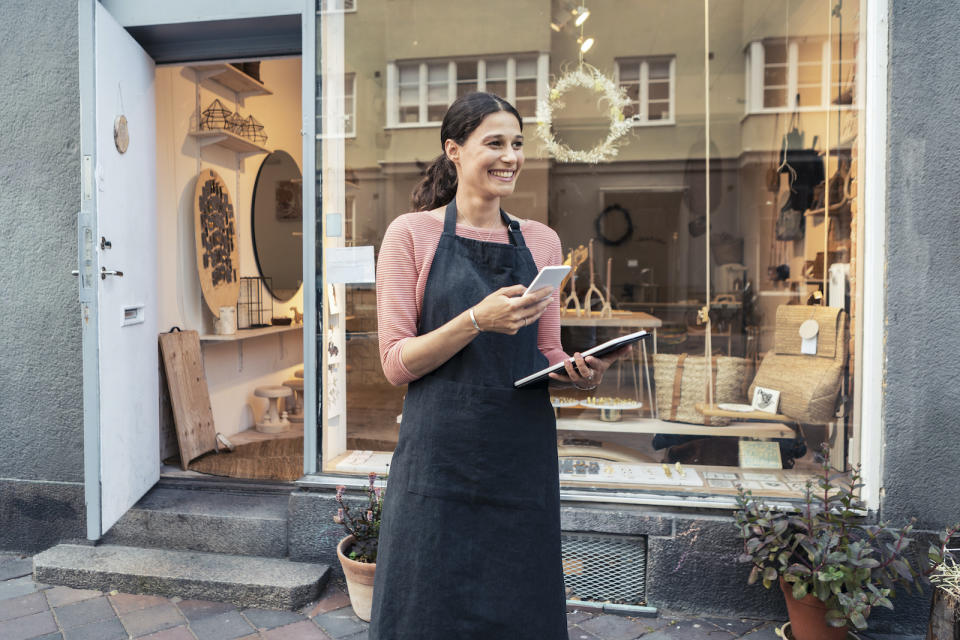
722,248
349,111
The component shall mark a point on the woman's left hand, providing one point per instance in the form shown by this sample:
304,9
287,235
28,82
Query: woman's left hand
587,373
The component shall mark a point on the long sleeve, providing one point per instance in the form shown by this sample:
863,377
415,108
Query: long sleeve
397,309
548,337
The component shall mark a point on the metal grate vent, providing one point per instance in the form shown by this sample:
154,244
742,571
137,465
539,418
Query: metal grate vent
605,568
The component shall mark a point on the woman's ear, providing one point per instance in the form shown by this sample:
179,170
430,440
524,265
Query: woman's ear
452,149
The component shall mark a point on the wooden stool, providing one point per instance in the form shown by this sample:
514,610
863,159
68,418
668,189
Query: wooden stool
272,422
298,374
295,410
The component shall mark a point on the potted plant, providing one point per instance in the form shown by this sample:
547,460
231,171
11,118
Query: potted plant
358,550
831,564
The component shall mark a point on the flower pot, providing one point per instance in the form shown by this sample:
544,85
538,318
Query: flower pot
944,617
359,580
808,617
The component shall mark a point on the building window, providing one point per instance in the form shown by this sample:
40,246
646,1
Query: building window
649,83
800,73
334,6
423,90
349,113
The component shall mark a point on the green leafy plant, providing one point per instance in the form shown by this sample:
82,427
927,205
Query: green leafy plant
365,527
829,549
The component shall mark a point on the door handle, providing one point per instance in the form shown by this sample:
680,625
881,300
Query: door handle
104,273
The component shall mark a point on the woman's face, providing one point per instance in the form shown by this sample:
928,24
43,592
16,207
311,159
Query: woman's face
489,160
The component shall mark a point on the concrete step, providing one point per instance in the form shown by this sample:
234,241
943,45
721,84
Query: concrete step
243,523
245,581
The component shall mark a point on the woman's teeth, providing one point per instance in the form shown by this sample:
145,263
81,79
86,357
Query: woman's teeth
507,175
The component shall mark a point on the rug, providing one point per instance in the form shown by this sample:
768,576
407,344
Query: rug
280,459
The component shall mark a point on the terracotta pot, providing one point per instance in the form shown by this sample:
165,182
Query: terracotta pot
359,580
808,619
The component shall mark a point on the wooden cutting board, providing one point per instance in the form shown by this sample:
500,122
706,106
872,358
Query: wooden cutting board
187,384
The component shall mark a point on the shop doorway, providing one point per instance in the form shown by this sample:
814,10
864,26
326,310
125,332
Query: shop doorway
122,225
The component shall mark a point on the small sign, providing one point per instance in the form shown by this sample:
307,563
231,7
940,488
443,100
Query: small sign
350,264
759,455
766,400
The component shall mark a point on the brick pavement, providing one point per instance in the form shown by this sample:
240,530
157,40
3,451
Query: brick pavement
29,610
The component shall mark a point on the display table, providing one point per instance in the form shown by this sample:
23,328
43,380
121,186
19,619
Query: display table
628,319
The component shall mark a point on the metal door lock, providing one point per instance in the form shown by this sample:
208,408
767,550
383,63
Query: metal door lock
105,244
104,273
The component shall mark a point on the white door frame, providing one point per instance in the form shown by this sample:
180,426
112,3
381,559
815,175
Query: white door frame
131,13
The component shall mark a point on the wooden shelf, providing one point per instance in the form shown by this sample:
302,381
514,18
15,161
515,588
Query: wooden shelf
636,319
229,140
652,425
231,78
245,334
716,412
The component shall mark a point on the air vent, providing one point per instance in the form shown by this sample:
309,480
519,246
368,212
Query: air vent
605,568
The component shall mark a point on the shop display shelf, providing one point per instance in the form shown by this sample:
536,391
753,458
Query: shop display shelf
231,78
229,140
245,334
653,425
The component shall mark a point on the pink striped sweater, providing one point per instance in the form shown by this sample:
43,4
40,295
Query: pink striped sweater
404,264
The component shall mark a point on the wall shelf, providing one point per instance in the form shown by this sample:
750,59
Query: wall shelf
231,78
228,140
245,334
653,425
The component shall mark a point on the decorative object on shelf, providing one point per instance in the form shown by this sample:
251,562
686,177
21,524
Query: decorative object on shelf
216,116
252,69
598,224
215,229
226,324
605,310
253,310
832,565
587,77
297,315
575,258
358,551
766,400
253,130
680,384
235,123
272,421
121,134
283,321
294,406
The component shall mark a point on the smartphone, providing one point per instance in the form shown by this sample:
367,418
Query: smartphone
548,277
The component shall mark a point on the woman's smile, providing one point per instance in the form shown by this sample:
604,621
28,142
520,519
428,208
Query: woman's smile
504,175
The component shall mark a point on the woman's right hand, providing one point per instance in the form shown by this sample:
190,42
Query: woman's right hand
507,310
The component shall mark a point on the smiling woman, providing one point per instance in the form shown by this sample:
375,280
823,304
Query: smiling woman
454,325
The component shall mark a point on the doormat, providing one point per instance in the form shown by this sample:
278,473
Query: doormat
279,459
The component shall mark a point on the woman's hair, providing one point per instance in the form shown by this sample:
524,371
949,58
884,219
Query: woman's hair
439,184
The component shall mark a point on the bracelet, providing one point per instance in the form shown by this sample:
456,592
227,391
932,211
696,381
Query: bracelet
586,388
473,319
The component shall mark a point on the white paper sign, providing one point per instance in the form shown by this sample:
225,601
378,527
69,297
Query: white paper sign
350,264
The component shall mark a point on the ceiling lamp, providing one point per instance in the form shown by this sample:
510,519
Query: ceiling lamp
582,14
585,45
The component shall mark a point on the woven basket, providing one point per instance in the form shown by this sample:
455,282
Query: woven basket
681,383
808,384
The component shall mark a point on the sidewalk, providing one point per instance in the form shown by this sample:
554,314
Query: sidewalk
44,612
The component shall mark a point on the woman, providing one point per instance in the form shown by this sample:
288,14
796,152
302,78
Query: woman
470,537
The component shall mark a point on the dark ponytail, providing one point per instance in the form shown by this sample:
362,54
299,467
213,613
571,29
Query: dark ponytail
439,184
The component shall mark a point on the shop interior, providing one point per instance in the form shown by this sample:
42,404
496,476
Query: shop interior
229,183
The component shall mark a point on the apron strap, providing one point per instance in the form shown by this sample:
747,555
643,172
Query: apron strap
450,224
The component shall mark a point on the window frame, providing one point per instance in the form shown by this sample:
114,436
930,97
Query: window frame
395,67
643,79
349,6
755,67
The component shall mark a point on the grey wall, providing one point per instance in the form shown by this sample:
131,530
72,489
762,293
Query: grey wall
921,399
41,413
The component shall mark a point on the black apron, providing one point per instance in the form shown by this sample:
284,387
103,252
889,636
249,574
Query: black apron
470,536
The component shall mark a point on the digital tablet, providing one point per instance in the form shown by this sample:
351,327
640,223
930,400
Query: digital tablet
599,350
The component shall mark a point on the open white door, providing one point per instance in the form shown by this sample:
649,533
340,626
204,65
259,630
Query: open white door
117,235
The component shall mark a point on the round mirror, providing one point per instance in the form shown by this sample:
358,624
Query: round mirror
278,224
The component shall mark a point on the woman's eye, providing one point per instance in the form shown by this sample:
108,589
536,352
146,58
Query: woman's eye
518,145
495,143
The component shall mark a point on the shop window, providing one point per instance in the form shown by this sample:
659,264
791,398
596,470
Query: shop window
800,73
424,89
722,248
349,111
649,83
